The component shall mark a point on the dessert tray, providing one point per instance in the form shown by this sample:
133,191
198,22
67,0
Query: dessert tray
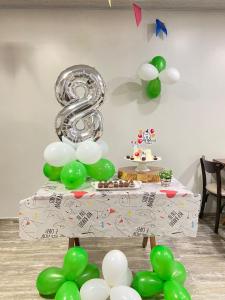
116,185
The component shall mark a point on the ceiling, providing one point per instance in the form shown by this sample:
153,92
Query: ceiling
117,4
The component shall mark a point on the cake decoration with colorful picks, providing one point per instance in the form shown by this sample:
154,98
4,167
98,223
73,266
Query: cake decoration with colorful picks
141,150
142,153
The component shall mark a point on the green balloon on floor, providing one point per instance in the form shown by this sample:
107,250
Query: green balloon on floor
174,291
53,173
178,272
49,281
73,175
147,284
75,262
91,271
101,170
159,62
68,291
161,259
153,88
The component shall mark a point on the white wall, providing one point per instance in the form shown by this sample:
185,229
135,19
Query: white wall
35,45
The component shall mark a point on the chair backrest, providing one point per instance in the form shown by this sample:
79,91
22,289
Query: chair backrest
211,167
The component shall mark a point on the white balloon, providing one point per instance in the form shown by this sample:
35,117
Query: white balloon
74,145
114,266
125,279
148,72
58,154
89,152
124,293
104,146
170,76
95,289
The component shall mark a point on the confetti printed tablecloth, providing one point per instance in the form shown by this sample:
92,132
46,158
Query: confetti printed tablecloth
152,210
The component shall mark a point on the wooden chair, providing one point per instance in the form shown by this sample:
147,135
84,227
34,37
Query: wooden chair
216,189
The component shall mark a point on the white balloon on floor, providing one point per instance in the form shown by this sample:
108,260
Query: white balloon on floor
147,72
58,154
124,293
169,76
95,289
114,267
89,152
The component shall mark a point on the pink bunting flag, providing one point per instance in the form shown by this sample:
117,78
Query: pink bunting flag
137,13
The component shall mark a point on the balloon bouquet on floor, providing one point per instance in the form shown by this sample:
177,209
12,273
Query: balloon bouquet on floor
79,280
80,90
155,72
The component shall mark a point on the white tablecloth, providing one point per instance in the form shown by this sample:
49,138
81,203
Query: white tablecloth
153,210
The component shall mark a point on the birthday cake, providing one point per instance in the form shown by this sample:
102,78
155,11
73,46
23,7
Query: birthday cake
141,149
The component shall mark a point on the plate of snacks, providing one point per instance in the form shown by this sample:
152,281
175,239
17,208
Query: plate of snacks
116,185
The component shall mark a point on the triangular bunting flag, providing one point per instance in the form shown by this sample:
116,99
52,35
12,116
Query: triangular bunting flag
160,27
137,13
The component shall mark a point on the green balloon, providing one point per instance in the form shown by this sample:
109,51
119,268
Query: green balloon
68,291
75,262
153,88
53,173
49,281
101,170
73,175
178,272
174,291
91,271
161,259
159,62
147,284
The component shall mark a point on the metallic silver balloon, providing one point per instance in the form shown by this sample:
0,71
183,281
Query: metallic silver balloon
81,90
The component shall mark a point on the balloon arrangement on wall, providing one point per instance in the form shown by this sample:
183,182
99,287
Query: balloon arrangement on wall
79,280
80,90
155,72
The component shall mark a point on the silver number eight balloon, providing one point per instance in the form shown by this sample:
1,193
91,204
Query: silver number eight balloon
81,90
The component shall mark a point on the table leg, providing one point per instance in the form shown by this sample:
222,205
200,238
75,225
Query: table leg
152,241
71,243
145,242
77,241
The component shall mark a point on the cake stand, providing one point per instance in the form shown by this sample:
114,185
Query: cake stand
142,172
143,166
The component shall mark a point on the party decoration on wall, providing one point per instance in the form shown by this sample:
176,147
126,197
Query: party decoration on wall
168,276
156,72
81,90
148,72
160,27
137,13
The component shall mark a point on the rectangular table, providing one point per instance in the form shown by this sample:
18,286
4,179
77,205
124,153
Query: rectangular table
150,211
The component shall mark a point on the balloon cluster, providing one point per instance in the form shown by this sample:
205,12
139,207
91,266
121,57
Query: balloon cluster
64,283
168,276
156,72
79,280
71,163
